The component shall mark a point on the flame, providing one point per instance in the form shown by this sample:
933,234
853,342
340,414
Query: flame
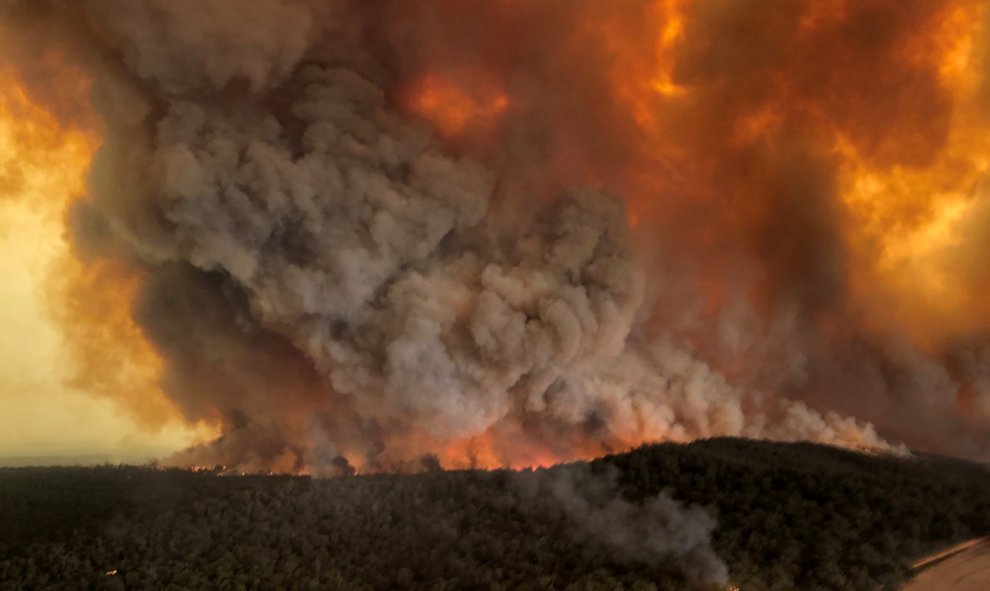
490,451
505,445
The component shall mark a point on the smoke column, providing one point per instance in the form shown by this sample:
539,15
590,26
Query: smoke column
487,233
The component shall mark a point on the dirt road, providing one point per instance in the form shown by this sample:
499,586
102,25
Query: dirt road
968,570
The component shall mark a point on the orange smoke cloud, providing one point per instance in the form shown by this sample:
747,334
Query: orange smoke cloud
452,109
838,147
909,219
802,226
92,303
89,300
888,95
42,160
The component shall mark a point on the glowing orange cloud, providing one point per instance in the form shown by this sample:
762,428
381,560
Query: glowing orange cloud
452,108
44,172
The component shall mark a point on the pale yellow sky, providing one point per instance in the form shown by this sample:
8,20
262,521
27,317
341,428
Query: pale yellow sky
40,170
39,415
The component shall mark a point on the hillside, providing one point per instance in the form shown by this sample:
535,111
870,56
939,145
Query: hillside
788,516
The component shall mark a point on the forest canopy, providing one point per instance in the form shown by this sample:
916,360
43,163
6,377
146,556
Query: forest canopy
668,516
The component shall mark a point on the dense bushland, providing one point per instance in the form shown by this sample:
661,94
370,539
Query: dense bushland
790,516
808,517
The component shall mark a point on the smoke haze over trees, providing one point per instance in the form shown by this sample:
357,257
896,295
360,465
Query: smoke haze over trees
788,516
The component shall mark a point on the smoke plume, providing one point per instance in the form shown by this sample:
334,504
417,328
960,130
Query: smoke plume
651,532
511,233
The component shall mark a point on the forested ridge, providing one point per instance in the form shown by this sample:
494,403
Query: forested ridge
789,516
804,516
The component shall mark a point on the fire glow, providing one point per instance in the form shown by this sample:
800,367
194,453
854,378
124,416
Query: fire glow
47,176
452,109
627,222
89,301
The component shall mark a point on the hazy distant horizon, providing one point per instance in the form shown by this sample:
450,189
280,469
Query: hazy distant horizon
81,459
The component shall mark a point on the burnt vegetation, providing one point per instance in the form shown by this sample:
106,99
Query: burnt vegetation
790,516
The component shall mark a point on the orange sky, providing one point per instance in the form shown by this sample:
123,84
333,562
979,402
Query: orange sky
41,169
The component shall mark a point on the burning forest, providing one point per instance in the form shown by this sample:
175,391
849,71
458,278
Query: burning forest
353,236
